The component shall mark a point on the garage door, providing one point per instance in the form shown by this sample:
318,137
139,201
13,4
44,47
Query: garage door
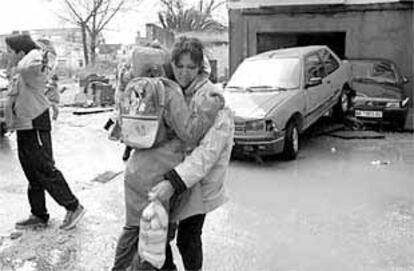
271,41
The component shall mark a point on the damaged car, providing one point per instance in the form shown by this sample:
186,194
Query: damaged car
379,89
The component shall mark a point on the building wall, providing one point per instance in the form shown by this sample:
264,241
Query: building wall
220,53
163,36
237,4
377,30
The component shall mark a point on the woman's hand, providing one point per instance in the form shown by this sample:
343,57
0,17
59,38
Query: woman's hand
211,103
55,112
163,191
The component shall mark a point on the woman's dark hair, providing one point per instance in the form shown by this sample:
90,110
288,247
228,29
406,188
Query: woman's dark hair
185,45
21,42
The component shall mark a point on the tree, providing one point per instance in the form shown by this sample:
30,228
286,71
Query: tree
92,16
178,18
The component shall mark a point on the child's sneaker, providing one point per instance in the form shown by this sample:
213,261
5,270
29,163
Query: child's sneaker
72,218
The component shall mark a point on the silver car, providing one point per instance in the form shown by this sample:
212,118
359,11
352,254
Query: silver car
277,95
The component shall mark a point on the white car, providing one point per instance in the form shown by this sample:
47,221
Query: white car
278,94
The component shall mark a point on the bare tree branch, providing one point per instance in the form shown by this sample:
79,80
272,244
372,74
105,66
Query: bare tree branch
73,10
92,16
114,12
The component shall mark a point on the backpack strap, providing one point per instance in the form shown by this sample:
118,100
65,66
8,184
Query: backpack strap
159,85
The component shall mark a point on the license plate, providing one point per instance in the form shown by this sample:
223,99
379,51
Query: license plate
368,114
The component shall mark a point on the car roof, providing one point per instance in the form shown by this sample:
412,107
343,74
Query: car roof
288,52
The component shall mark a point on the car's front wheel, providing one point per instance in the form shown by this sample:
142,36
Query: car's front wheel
343,105
291,146
3,128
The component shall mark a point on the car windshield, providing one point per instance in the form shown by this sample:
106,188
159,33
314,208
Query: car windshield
379,71
266,75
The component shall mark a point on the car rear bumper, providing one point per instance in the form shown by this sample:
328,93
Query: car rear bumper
259,146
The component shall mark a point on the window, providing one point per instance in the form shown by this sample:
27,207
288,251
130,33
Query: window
379,71
331,64
384,72
313,67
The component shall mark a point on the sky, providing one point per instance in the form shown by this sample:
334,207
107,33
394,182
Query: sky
38,14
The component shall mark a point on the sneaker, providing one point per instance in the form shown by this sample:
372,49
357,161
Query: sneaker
72,218
66,219
31,222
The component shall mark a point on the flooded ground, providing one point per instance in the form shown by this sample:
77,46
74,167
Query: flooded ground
342,205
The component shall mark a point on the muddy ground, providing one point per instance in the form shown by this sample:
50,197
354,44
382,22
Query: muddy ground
344,204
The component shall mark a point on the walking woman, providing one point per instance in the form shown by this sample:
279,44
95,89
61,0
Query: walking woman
28,114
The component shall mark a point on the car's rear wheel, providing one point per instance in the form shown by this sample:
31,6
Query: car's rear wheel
291,146
342,106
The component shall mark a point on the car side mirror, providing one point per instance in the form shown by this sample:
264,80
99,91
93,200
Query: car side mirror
405,80
314,81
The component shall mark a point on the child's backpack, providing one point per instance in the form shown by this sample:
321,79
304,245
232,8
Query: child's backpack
141,112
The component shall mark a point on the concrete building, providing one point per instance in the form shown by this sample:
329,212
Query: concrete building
352,28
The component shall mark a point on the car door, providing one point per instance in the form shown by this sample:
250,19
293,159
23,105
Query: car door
315,94
333,76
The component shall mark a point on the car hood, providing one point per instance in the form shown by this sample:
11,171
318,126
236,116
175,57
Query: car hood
377,90
254,105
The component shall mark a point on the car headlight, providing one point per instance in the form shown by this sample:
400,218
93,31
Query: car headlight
261,126
256,126
393,105
358,99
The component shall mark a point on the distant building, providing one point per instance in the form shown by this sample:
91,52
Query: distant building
162,36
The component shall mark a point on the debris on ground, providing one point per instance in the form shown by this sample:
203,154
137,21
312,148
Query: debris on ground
353,123
15,235
106,176
328,129
380,162
95,110
358,135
